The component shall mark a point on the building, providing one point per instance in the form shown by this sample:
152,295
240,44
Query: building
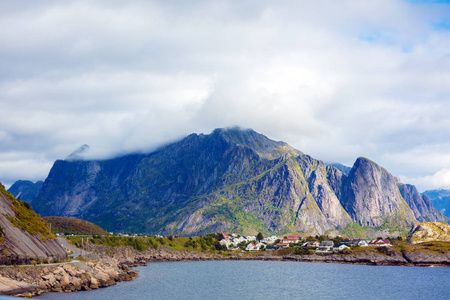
358,242
340,248
295,236
325,247
311,244
380,242
252,247
289,241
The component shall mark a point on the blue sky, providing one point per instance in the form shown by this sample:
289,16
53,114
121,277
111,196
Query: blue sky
335,79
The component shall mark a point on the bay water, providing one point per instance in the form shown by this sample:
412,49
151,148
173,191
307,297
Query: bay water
274,280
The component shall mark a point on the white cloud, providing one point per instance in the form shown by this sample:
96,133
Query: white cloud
438,180
337,80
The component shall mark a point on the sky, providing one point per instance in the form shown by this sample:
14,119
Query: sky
334,79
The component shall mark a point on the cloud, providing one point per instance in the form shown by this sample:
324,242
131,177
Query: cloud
335,80
438,180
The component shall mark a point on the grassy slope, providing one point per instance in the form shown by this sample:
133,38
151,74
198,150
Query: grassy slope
73,226
204,244
25,218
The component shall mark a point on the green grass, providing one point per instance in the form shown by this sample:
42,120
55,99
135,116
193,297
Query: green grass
204,244
25,218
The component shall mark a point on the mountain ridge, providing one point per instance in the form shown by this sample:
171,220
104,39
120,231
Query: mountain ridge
231,179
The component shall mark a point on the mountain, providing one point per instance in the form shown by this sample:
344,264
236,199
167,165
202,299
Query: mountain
440,199
24,237
421,205
230,180
26,189
343,168
371,196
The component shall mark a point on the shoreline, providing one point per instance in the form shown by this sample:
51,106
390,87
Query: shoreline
108,266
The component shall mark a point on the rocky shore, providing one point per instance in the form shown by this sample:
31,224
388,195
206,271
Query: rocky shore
108,266
381,256
32,281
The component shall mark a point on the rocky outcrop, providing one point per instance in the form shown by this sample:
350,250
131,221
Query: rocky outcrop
430,232
18,245
62,278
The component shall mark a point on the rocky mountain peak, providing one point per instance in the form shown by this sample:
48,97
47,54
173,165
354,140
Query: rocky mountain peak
371,194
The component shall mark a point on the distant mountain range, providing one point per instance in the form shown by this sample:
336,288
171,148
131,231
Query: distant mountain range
232,180
440,199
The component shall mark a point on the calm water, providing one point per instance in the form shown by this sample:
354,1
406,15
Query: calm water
274,280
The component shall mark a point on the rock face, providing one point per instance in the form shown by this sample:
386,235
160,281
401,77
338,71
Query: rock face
371,196
421,205
430,232
17,244
230,180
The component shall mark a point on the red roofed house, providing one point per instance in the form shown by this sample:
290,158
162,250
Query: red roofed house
251,247
225,236
380,242
295,236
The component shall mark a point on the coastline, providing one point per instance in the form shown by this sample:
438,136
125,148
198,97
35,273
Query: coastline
106,266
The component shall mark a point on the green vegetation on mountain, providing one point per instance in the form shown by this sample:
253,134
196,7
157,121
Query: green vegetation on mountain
25,218
73,226
230,180
430,232
24,237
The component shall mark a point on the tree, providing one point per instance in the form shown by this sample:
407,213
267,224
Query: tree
259,237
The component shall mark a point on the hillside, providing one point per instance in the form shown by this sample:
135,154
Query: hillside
230,180
430,232
73,226
24,237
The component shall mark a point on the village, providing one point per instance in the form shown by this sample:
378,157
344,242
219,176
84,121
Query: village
317,244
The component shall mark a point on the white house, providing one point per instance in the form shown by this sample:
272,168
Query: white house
270,239
226,243
325,247
340,248
252,247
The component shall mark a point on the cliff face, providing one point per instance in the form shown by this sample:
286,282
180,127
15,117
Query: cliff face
420,204
24,237
230,180
371,196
